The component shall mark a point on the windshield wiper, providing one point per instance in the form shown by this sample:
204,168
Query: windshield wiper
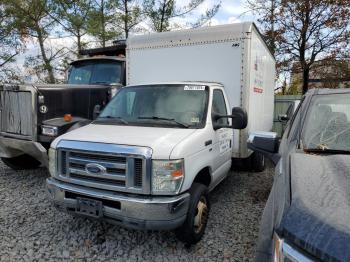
100,83
114,117
326,151
165,119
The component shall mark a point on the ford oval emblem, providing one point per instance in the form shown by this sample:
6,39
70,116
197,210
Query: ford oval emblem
95,169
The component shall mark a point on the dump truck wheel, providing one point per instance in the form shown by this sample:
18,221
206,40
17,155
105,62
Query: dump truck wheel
21,162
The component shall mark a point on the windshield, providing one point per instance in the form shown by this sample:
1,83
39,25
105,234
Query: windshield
95,72
179,106
327,125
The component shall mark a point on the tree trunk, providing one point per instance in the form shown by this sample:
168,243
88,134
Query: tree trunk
302,50
47,64
162,18
272,21
306,72
79,43
126,12
103,29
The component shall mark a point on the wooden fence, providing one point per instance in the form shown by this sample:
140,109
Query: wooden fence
281,105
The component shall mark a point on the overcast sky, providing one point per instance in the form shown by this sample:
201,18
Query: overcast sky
231,11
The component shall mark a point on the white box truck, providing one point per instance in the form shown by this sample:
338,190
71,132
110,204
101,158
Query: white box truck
166,140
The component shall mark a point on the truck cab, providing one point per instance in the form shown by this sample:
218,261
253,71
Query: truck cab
33,115
150,159
97,70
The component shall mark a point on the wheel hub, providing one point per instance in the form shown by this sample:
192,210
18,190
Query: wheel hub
201,214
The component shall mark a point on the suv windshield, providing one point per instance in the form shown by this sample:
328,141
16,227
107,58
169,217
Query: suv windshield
327,126
179,106
95,72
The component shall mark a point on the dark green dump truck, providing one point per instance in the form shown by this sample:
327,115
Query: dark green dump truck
32,115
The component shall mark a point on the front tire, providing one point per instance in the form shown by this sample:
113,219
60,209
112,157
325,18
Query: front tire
194,226
21,162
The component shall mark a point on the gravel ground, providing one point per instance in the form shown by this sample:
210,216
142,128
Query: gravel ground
32,230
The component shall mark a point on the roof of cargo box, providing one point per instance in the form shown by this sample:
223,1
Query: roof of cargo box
195,83
210,34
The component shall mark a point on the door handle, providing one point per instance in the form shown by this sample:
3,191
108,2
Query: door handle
207,143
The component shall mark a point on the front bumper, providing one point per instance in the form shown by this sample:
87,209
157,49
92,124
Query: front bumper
132,211
12,147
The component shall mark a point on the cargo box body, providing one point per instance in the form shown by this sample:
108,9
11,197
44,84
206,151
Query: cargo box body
234,55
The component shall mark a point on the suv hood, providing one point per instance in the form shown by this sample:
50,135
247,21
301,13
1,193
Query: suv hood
318,219
161,140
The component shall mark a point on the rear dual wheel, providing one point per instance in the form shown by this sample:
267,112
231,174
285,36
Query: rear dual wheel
257,162
21,162
197,217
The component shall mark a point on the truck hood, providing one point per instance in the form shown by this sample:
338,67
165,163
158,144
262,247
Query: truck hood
161,140
318,219
77,100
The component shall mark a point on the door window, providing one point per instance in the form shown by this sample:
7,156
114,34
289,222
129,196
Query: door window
219,106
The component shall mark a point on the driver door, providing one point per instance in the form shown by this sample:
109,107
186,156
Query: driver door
223,137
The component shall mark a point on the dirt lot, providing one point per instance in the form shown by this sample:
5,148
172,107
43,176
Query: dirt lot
32,230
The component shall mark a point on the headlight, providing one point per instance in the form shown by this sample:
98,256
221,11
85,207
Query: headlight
49,130
167,176
52,161
286,253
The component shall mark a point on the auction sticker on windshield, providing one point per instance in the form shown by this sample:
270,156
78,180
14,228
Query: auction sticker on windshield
194,88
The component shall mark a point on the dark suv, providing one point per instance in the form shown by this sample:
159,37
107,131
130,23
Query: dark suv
307,215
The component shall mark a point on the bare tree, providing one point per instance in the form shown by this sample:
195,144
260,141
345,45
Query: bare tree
72,15
31,20
267,12
102,20
129,14
9,42
313,30
162,12
304,31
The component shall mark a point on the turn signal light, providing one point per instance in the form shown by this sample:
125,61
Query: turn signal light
67,117
176,173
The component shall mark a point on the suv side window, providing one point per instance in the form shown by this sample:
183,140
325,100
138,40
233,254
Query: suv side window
219,106
291,122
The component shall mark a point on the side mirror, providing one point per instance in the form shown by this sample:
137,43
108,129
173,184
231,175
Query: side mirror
283,118
97,111
266,143
239,119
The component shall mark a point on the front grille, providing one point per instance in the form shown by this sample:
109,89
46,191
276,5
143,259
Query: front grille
138,173
114,172
64,162
99,157
16,112
97,179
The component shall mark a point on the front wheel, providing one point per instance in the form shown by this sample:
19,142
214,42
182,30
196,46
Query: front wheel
21,162
197,216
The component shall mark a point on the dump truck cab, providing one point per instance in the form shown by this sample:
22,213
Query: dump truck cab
33,115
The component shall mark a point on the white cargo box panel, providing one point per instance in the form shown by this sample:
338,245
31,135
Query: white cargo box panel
233,55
